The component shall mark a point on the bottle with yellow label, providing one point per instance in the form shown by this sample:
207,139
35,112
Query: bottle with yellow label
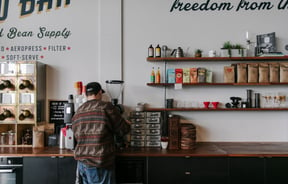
157,51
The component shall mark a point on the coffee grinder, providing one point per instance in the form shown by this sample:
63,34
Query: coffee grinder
114,89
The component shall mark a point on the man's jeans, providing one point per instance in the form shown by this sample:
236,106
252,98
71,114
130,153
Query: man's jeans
94,175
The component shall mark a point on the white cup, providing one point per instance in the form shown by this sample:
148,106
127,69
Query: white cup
164,144
212,53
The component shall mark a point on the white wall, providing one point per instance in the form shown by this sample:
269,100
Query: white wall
110,38
95,42
151,22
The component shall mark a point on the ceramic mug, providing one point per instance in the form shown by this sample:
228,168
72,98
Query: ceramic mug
215,105
206,104
212,53
164,144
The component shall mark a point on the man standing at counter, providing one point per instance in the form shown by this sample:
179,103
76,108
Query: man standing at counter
95,124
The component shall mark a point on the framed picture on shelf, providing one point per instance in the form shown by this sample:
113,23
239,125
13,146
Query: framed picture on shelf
266,43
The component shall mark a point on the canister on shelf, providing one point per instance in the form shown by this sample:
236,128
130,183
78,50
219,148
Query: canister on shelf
11,137
249,98
257,100
3,138
169,103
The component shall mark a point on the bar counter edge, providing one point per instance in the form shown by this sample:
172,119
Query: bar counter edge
201,149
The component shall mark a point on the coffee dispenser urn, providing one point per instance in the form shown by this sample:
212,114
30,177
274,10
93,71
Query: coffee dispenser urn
66,139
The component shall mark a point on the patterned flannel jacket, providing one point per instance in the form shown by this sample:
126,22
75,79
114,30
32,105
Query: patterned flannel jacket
95,124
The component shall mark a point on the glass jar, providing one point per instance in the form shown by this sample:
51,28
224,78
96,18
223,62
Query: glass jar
3,138
11,138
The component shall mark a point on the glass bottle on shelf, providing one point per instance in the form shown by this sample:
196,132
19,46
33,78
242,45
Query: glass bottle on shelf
152,76
157,51
150,51
158,76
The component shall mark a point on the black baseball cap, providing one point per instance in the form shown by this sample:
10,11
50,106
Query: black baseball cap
93,87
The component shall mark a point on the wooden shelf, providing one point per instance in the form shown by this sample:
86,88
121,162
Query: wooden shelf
218,84
212,59
217,109
206,59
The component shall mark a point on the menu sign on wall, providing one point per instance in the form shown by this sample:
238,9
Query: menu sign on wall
56,111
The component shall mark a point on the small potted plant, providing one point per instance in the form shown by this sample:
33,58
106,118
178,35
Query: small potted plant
226,49
232,50
238,51
198,53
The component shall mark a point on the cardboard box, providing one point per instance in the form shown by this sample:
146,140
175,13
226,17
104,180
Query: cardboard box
229,74
201,75
193,75
178,75
171,75
186,75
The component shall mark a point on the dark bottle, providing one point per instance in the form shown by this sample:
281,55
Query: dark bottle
6,84
157,51
2,86
27,137
25,114
6,114
150,51
26,84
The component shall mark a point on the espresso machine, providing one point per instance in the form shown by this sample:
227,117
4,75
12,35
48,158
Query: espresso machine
66,138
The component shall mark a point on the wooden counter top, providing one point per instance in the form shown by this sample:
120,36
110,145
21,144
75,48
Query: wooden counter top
202,149
229,149
32,152
255,148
